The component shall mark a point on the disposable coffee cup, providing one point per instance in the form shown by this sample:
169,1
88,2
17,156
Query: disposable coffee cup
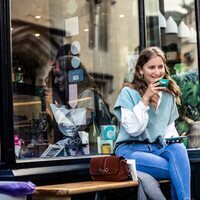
132,168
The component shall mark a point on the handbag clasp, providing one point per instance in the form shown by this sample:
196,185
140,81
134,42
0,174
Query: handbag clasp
103,171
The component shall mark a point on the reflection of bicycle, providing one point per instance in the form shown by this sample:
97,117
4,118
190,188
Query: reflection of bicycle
74,141
72,144
38,126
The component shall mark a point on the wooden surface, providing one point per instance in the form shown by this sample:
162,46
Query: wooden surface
68,189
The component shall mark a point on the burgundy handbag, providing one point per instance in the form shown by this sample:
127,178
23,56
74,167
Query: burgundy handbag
109,168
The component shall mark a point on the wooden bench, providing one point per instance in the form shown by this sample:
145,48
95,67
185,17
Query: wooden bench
66,190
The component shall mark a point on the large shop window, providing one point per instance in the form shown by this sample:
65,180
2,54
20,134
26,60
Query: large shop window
171,24
70,58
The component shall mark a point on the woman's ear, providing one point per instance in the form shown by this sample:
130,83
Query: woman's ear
141,71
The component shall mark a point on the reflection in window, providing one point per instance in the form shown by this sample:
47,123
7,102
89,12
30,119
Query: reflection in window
70,59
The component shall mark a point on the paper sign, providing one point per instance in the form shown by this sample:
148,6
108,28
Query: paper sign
73,95
71,26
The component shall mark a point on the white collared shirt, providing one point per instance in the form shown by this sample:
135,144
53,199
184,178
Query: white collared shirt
135,121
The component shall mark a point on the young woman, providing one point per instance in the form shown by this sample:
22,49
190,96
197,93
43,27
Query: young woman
147,113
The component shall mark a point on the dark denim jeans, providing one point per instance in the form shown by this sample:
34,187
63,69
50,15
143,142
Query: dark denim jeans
170,162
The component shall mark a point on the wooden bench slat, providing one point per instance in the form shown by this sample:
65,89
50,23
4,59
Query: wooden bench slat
68,189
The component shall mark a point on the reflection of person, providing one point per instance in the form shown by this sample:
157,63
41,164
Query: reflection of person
60,79
82,88
147,113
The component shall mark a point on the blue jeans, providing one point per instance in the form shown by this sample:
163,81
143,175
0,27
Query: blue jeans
170,162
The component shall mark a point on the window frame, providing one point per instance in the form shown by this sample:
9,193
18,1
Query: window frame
8,160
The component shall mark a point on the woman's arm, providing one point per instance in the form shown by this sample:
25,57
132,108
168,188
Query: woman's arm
135,121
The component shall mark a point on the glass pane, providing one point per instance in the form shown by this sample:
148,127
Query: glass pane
171,25
70,58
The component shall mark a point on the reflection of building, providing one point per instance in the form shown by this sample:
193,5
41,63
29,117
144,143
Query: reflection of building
176,25
107,32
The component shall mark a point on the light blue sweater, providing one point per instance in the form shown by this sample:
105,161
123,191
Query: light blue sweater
165,114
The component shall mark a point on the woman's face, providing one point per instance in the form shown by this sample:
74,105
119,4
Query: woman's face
59,79
153,69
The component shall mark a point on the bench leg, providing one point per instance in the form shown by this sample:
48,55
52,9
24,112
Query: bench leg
99,195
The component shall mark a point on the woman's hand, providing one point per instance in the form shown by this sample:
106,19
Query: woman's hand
152,90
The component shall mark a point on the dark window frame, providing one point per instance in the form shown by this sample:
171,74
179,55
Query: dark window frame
8,160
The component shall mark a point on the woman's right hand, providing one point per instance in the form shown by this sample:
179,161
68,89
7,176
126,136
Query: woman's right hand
151,90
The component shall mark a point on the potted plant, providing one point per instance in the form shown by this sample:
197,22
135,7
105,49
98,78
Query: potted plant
189,109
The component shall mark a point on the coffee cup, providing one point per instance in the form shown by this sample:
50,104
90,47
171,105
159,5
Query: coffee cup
163,82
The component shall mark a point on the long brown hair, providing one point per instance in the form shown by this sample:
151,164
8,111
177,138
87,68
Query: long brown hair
140,84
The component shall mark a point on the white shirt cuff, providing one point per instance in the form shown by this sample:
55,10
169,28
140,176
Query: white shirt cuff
140,106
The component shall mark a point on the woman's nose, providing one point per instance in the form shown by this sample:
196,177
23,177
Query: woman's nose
56,70
157,71
56,67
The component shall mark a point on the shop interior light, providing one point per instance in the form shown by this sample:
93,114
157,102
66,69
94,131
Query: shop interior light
121,16
162,21
171,26
183,30
37,34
